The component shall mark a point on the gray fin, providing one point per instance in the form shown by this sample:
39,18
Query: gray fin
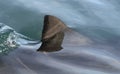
52,34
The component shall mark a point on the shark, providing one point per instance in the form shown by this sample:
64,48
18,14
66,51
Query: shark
61,50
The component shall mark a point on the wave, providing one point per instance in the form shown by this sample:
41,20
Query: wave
10,39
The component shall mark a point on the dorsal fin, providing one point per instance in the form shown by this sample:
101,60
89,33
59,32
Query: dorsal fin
52,34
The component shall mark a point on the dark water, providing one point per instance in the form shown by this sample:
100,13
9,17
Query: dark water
94,47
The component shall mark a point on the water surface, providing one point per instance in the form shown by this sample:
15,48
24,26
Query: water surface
94,47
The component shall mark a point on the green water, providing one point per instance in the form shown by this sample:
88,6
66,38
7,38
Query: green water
24,21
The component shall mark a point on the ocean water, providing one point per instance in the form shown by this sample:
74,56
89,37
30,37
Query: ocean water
95,42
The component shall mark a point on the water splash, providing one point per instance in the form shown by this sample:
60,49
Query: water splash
10,39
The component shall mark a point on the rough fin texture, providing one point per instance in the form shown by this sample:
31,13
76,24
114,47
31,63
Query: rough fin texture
53,34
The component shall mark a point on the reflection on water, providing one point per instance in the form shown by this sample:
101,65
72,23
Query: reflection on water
86,60
93,49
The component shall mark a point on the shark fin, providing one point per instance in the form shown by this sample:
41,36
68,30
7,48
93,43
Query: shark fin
52,34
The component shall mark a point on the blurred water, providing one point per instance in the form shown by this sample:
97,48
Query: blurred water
94,49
